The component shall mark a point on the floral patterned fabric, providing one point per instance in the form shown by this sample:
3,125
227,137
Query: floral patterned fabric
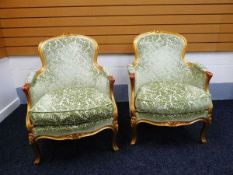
167,88
171,117
160,60
171,98
71,106
69,62
71,94
63,130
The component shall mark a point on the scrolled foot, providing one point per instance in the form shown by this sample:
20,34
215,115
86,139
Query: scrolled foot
114,137
37,153
134,135
35,148
115,147
37,161
203,132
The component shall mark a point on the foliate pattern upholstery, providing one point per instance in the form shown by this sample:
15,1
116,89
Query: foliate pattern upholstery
71,106
171,117
64,130
71,96
160,60
171,98
167,88
69,62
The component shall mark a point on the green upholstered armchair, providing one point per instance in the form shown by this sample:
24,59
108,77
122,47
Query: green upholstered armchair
165,90
71,96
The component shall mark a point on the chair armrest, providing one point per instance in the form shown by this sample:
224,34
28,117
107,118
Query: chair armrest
111,83
105,73
132,93
29,80
115,113
31,77
131,68
199,68
25,88
100,69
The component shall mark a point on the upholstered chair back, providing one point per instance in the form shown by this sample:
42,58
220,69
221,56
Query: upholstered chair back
68,61
159,58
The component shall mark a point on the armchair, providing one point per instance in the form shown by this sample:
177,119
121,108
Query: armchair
71,96
164,89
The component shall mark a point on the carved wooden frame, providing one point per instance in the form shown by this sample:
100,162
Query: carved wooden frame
134,121
33,139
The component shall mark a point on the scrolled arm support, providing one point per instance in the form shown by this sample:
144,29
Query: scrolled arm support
111,83
201,68
115,113
31,77
209,76
132,97
25,89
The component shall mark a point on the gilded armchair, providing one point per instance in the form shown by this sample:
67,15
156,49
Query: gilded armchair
164,89
71,96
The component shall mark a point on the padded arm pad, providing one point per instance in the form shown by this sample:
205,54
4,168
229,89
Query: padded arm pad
131,68
201,75
31,77
199,66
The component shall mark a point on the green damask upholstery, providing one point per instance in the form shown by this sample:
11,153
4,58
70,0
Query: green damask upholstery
62,130
167,88
171,98
71,90
71,96
71,106
187,117
69,62
160,60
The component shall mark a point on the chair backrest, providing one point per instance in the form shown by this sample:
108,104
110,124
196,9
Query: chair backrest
68,60
159,57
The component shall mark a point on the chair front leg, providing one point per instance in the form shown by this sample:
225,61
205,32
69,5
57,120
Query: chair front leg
114,137
206,124
115,115
133,120
134,130
35,148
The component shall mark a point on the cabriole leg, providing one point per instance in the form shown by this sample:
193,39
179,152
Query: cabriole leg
203,132
35,148
114,144
134,130
134,135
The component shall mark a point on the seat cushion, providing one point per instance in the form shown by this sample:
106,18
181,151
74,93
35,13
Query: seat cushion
171,98
71,106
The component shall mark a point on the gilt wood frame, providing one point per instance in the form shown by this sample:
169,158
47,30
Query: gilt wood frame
134,121
33,139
